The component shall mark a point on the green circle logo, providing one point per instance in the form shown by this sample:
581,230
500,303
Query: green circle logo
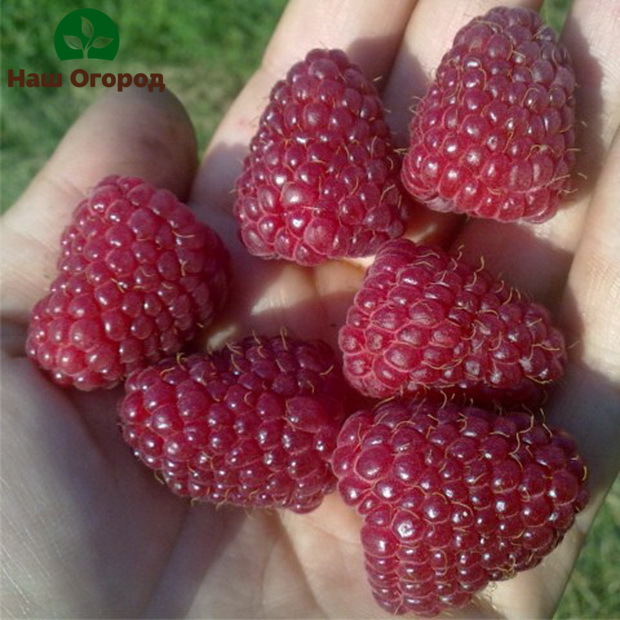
86,33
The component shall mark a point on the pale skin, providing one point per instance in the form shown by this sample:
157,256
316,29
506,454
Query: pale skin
87,531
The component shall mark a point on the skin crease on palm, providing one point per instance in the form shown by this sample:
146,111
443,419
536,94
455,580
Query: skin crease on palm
87,531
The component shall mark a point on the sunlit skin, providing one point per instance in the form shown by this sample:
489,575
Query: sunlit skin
87,531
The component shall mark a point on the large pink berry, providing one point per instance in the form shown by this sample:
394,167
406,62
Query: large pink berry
427,319
453,498
138,275
493,136
253,424
321,179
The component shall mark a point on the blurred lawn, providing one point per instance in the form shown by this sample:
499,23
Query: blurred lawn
206,50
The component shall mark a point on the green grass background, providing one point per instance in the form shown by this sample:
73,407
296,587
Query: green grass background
205,50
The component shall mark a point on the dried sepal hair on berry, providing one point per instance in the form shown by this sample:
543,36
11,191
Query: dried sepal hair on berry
253,424
454,497
138,275
426,319
321,179
494,135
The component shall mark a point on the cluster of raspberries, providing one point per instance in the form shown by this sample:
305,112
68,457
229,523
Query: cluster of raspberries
457,482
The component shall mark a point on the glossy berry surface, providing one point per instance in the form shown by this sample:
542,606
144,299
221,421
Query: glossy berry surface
426,319
252,425
137,275
321,179
493,137
453,498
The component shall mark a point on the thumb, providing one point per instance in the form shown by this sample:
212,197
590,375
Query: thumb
135,132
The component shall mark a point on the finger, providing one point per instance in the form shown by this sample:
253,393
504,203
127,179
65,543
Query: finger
592,38
590,318
537,257
135,133
370,33
588,406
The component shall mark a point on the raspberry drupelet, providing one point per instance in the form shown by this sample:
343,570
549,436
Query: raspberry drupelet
138,276
494,134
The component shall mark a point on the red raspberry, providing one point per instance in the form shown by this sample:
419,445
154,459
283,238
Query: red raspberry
322,177
453,498
138,274
493,136
253,424
424,318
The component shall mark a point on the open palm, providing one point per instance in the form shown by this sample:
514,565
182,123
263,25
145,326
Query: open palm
88,532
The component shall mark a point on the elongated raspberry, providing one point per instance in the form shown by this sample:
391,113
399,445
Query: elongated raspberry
321,179
493,136
138,275
253,424
453,498
426,319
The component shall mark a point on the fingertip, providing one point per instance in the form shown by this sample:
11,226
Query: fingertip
138,133
134,132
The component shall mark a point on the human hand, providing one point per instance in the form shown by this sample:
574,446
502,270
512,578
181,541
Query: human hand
86,529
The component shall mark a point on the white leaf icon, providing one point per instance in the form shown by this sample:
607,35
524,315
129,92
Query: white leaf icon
87,28
100,42
75,43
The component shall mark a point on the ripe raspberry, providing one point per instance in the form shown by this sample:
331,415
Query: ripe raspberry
424,318
322,177
493,136
137,275
453,498
253,424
